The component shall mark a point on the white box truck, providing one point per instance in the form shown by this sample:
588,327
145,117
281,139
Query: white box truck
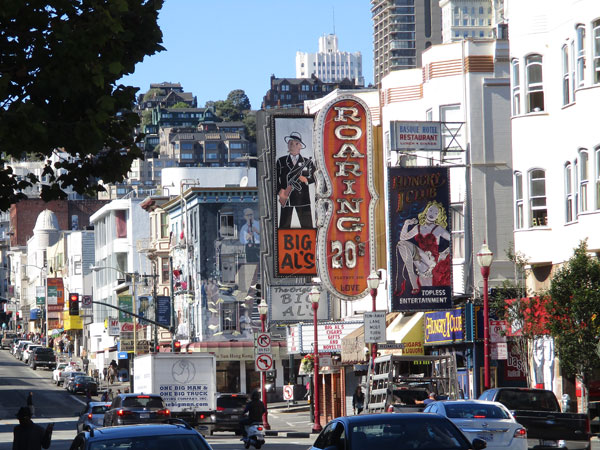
187,383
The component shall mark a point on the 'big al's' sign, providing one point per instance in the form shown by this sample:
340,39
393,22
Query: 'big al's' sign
346,197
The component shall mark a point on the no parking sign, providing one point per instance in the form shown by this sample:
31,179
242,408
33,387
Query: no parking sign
288,392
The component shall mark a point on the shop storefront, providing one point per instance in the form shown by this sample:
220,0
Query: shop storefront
236,367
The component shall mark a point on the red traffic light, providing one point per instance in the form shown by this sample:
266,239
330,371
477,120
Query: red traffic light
176,346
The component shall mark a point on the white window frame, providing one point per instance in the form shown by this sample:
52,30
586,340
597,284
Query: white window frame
566,84
516,87
535,89
457,210
569,197
538,203
596,51
584,178
580,32
519,219
597,172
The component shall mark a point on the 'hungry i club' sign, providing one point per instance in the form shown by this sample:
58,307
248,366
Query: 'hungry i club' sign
346,197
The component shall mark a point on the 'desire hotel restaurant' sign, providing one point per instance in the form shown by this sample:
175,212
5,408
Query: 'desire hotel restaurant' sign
346,197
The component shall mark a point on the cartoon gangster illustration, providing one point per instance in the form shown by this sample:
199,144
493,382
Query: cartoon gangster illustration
419,248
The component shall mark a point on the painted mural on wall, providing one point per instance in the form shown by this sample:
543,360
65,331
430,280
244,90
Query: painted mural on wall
421,262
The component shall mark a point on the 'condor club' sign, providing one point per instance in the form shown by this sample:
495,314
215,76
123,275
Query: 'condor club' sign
346,197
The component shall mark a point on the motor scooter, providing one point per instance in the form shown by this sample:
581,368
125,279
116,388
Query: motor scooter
255,436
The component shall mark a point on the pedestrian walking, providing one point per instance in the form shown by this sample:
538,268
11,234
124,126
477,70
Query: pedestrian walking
30,404
86,363
61,346
88,395
70,348
29,436
358,400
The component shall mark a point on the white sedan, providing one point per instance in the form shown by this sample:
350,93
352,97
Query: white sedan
490,421
57,373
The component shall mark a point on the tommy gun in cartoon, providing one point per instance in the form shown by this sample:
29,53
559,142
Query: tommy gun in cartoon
294,174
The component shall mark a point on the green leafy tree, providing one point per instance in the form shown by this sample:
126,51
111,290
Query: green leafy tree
59,66
239,100
250,125
512,303
573,305
153,93
181,105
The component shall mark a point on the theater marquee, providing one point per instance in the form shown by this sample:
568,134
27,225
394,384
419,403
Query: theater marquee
346,197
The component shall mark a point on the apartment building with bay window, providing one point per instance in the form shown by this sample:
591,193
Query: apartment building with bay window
555,89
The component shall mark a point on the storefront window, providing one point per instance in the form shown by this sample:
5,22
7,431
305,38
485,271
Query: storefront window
228,376
252,377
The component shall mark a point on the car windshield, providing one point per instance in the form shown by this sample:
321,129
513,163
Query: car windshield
84,379
179,442
528,400
100,409
143,402
407,434
475,411
232,402
44,350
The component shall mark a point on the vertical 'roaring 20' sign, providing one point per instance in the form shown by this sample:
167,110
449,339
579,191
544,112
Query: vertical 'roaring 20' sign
346,197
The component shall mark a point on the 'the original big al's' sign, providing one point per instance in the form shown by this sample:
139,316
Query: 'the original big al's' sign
346,197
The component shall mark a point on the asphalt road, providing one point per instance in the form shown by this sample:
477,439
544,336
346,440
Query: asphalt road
55,404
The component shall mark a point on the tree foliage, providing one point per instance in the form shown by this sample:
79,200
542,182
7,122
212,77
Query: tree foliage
512,303
181,105
60,63
573,305
239,100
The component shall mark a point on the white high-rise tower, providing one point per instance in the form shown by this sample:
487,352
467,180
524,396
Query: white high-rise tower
330,64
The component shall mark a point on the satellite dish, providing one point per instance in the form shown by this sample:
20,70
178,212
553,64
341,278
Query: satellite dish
244,182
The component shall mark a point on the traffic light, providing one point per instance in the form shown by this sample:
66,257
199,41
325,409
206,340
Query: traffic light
257,291
176,346
74,304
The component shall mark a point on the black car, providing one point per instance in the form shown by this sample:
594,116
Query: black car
230,409
42,357
175,435
82,383
70,376
129,409
411,431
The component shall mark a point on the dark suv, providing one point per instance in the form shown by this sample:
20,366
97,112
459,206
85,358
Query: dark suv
129,409
230,409
42,357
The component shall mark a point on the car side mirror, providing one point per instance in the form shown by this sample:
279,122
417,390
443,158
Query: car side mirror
479,444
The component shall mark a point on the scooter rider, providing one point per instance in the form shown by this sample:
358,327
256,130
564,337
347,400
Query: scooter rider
255,410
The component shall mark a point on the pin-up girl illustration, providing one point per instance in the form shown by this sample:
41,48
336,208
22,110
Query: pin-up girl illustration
420,248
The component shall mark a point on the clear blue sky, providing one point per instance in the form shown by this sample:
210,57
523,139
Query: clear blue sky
214,47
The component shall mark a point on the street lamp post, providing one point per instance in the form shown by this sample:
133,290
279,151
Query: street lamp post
485,258
263,309
314,297
134,306
373,283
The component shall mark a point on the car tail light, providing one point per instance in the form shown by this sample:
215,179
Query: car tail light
220,408
90,416
391,408
123,412
520,433
143,396
259,428
479,417
202,416
163,412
